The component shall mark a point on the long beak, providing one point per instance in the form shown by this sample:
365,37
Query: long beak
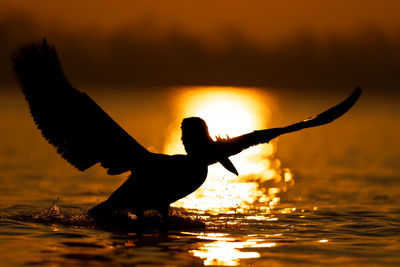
228,165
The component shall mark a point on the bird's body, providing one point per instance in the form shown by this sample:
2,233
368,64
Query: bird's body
85,135
155,185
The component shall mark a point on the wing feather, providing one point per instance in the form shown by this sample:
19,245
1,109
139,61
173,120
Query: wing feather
70,120
232,146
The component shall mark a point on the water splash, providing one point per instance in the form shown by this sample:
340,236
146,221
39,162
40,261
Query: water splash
120,221
55,215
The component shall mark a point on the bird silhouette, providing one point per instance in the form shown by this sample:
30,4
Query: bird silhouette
85,135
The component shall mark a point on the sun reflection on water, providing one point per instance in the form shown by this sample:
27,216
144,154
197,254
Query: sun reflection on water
231,112
226,250
224,253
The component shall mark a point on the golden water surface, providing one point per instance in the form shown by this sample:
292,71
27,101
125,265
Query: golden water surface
319,197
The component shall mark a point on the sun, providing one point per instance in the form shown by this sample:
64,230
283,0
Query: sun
228,112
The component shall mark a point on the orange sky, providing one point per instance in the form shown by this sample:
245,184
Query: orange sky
308,44
258,19
357,51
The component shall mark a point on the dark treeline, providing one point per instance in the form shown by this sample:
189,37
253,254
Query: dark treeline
133,58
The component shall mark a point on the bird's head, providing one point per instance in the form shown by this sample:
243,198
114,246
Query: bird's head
195,136
198,143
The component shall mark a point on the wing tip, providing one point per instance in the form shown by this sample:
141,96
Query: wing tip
355,95
28,49
357,92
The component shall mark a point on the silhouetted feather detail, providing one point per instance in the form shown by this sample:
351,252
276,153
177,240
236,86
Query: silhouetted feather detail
231,146
70,120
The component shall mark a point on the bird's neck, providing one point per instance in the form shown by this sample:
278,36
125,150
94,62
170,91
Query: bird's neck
205,152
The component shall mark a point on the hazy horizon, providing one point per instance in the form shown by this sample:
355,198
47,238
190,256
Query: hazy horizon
307,47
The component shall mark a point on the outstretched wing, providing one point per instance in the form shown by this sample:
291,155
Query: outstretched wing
232,146
70,120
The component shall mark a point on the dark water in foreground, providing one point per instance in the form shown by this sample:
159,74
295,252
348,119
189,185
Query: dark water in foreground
348,232
343,208
326,236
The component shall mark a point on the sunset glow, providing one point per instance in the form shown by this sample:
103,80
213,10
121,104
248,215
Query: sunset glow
227,251
230,112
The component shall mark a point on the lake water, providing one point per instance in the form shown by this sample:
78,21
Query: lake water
341,206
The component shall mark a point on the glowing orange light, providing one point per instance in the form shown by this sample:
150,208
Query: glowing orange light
229,112
225,250
223,253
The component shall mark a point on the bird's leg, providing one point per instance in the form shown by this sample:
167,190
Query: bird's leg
139,214
164,211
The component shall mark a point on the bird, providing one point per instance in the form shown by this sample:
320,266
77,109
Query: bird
85,135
